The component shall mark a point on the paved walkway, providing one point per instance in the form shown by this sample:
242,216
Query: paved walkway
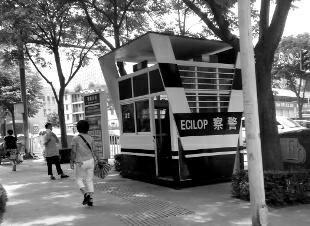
34,200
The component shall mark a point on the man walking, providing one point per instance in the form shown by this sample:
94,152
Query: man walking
51,152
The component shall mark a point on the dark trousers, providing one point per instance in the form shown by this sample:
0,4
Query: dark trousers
53,160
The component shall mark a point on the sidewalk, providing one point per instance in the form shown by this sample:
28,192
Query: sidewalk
34,200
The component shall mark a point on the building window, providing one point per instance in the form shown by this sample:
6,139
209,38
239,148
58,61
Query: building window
125,91
68,117
65,97
140,85
48,98
128,118
67,108
143,116
156,84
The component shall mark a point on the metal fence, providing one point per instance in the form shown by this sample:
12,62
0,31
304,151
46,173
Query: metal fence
36,147
114,145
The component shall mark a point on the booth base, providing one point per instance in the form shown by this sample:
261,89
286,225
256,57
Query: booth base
194,171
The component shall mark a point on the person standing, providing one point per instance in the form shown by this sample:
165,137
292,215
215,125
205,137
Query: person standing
83,160
10,145
51,152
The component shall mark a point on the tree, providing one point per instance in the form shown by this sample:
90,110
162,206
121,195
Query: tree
218,17
13,32
287,66
53,118
10,92
120,20
54,25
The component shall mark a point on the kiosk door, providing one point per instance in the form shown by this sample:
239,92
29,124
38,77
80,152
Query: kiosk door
162,136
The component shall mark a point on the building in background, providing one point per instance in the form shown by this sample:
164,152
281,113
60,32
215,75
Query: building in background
73,110
286,103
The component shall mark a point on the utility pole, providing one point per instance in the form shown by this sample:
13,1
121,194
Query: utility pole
255,166
22,75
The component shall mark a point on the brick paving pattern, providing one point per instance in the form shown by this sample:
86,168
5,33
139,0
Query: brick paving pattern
148,210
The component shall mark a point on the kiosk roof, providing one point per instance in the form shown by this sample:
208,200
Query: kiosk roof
184,47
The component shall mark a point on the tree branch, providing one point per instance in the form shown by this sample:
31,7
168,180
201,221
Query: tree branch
124,12
222,31
272,36
278,21
40,72
94,28
82,57
264,17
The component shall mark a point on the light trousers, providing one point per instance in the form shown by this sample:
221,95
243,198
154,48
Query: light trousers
84,175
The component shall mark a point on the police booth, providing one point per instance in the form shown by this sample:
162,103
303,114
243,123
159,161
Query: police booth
179,110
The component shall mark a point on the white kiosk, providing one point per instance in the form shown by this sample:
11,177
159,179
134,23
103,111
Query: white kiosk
180,110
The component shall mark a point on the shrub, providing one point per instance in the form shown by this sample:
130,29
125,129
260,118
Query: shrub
118,159
281,187
3,199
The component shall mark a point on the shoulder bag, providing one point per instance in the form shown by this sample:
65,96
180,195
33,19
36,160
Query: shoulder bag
101,168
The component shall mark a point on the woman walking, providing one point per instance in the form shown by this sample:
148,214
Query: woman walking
10,145
83,160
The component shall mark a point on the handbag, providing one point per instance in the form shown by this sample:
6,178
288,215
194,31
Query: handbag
101,168
19,158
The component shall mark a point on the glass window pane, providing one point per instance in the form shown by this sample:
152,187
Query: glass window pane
187,68
187,74
125,89
207,110
143,116
140,85
208,69
226,70
128,118
156,84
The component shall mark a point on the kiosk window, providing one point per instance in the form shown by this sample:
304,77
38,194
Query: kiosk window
128,118
140,85
143,116
125,89
156,84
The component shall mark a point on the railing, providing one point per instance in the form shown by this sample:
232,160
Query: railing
115,147
36,148
207,88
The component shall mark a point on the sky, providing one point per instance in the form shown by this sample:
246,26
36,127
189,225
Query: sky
298,22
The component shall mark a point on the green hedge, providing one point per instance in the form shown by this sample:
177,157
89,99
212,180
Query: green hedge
281,188
118,158
3,199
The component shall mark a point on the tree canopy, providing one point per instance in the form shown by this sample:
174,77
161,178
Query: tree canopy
287,66
10,92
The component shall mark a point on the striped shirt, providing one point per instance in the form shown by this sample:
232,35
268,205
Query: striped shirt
80,149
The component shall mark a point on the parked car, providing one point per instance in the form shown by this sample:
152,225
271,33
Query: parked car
284,125
303,122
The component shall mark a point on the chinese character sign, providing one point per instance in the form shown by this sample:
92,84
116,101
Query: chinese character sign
95,108
203,124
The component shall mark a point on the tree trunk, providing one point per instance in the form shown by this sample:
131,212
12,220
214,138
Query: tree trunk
60,102
62,120
300,106
270,142
13,123
22,73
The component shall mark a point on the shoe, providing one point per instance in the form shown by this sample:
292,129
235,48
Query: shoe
64,176
90,202
53,178
86,199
